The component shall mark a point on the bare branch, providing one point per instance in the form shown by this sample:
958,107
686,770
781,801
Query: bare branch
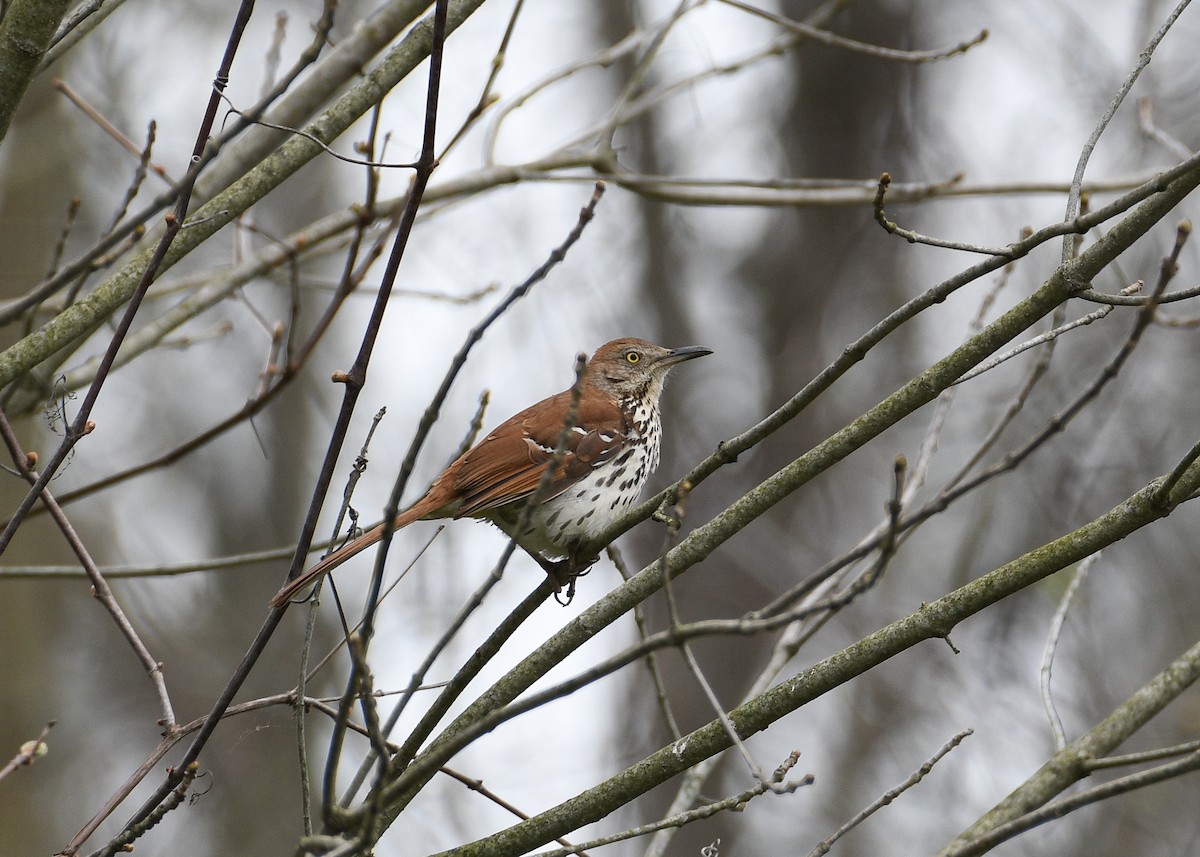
100,588
1086,153
825,845
834,40
1014,814
29,752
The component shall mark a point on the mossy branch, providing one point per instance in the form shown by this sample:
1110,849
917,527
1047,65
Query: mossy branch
25,33
933,621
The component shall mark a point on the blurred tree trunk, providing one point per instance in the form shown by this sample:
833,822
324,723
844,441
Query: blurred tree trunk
803,300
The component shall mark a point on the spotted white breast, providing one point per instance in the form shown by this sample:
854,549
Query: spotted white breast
589,506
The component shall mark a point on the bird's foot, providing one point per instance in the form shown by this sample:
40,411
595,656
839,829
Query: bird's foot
563,573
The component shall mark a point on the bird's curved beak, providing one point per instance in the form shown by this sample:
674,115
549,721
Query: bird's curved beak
687,352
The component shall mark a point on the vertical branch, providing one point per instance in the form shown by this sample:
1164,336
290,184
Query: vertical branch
355,378
1051,648
25,33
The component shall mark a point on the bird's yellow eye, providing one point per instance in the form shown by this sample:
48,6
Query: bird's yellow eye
632,357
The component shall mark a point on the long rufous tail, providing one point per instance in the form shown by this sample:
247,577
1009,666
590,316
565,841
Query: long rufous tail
420,510
326,565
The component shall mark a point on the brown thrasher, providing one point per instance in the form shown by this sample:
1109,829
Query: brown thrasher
612,448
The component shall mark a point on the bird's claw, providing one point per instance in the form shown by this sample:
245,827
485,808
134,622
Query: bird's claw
563,574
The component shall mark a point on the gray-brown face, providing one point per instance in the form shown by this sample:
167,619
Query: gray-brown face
635,367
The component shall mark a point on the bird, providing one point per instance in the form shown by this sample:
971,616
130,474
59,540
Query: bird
612,447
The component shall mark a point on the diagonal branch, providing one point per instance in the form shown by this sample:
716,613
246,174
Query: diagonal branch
1073,762
933,621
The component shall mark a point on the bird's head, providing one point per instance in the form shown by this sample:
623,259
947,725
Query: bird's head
631,368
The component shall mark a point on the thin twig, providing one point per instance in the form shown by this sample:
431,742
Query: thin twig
1143,757
1048,336
64,233
233,562
132,832
325,147
360,687
1073,198
825,845
468,672
328,657
168,743
357,469
832,39
29,752
1051,647
139,152
486,97
916,237
1056,809
301,715
626,104
782,607
639,618
1151,129
477,786
689,658
735,803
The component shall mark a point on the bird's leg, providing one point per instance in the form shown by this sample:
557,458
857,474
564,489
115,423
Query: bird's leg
577,567
578,564
564,572
556,570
